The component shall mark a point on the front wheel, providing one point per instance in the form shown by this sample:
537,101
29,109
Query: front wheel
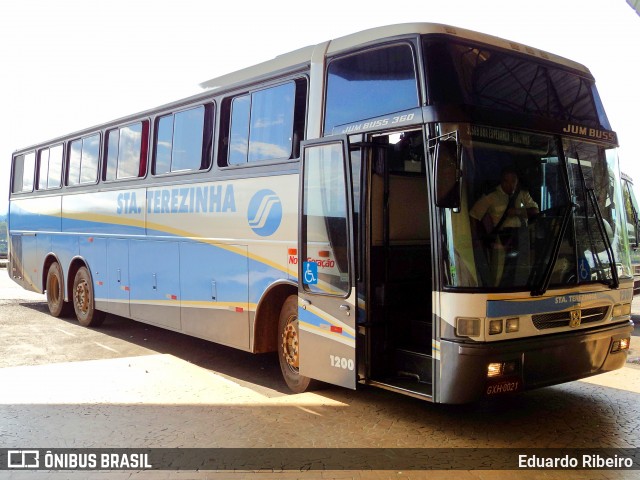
289,348
84,300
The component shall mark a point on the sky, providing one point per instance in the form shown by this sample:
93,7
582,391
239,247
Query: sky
72,64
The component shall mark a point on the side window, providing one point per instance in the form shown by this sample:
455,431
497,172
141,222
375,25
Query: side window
50,167
43,168
54,178
264,125
369,84
183,140
239,134
126,155
83,160
23,172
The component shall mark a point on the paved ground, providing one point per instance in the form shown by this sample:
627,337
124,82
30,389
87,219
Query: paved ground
132,385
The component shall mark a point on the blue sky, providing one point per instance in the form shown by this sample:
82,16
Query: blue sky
70,64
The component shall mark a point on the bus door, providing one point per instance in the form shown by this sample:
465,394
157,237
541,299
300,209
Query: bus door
399,319
326,290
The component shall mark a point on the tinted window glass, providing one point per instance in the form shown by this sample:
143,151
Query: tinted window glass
262,125
164,144
23,171
113,140
29,171
75,157
55,167
370,84
179,141
129,151
89,164
43,169
271,123
83,160
239,143
187,140
124,152
483,77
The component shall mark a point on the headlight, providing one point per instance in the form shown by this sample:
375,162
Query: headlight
495,327
621,309
513,325
468,327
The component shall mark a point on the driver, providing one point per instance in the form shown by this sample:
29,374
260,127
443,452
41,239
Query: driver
500,217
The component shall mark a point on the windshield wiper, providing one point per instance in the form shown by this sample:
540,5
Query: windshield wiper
615,282
543,284
546,276
591,199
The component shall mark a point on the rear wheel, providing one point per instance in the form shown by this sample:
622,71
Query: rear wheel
289,348
84,300
55,291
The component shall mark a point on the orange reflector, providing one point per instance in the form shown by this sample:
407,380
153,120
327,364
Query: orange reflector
293,251
239,309
90,239
335,329
324,253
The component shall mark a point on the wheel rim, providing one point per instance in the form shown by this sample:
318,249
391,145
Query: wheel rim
290,343
54,289
81,297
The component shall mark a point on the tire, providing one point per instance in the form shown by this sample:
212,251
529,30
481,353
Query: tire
288,348
55,292
84,300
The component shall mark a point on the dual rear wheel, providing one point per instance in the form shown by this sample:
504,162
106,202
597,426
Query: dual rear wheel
83,304
82,296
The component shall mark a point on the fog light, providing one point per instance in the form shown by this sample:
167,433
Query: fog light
622,309
513,325
495,327
619,345
494,370
509,368
468,327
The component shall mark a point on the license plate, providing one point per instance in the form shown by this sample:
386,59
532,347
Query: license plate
507,385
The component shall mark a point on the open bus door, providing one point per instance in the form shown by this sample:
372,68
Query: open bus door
326,287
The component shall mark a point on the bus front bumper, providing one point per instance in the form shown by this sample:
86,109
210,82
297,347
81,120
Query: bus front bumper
468,373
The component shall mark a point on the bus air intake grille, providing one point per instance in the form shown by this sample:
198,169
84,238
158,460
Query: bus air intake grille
562,319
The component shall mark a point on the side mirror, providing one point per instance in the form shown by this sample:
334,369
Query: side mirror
448,156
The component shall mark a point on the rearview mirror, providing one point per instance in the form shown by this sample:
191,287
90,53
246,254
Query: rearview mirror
447,162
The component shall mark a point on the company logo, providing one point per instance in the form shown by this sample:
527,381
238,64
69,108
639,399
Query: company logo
265,212
23,459
575,318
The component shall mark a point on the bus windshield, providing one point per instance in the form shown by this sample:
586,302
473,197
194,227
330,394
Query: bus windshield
537,211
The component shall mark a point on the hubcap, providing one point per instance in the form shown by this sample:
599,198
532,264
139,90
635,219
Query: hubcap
82,297
290,342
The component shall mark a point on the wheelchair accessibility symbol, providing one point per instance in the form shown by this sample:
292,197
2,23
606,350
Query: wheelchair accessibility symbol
310,273
583,269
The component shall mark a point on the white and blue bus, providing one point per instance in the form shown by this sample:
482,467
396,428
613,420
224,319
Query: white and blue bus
633,227
340,205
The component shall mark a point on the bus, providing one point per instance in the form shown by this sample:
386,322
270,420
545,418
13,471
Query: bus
322,206
633,227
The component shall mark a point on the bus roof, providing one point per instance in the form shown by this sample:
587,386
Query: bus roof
305,56
364,37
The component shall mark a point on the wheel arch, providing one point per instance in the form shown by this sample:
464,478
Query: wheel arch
48,261
265,325
74,266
